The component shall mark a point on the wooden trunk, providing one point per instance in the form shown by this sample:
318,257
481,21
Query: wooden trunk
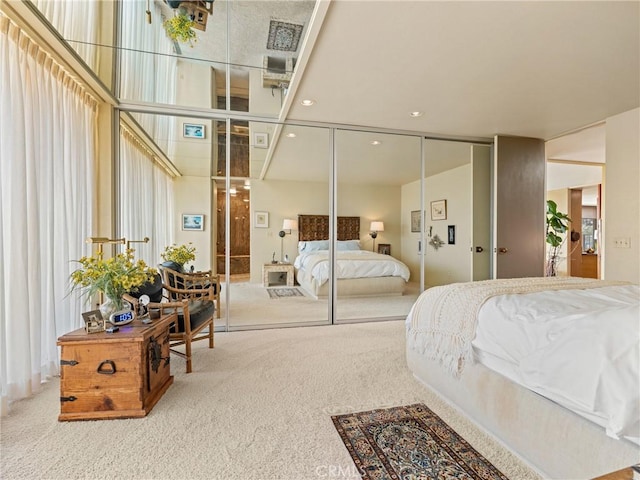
114,375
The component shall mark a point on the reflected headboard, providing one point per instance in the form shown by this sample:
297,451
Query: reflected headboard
316,227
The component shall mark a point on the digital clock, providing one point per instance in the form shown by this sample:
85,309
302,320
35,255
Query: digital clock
121,317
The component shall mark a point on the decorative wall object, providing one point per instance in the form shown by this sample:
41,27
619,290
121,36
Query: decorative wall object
439,210
192,221
261,220
451,234
435,242
261,140
193,130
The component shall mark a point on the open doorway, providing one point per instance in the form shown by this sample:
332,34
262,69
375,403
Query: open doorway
575,181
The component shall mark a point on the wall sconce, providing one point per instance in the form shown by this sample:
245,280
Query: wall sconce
287,226
374,229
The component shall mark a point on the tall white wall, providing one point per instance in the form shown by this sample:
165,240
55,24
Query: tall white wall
192,195
621,213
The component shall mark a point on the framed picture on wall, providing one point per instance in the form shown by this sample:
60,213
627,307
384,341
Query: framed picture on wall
192,130
415,221
261,220
439,210
192,221
384,248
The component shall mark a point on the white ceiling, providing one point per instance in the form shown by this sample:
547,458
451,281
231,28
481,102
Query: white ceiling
475,69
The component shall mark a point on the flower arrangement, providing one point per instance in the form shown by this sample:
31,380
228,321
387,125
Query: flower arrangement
178,28
179,254
114,277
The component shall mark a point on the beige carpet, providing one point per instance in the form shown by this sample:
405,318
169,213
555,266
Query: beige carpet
251,306
258,406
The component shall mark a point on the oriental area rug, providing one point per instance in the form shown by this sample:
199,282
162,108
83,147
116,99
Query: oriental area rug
410,442
284,292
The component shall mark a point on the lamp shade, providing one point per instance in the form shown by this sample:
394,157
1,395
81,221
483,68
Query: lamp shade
377,227
289,224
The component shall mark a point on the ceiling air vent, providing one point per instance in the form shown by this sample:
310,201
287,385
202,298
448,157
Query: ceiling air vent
276,71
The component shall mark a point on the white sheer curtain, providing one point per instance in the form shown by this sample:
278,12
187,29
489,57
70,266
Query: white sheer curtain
47,154
78,23
146,199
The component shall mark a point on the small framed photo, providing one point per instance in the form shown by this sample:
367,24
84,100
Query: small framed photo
384,248
193,130
261,140
439,210
415,220
451,234
192,221
261,220
93,321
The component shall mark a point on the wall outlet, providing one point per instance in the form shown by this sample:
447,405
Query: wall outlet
621,242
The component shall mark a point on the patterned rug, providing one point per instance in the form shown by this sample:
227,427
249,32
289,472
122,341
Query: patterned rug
409,442
284,292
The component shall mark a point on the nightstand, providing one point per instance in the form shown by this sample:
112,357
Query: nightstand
285,268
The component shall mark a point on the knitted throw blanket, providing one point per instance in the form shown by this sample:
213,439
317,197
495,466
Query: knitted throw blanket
443,319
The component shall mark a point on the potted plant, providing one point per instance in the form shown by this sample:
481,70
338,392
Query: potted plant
113,277
175,256
179,28
557,224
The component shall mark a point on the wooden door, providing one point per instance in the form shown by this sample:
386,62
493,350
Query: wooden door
519,208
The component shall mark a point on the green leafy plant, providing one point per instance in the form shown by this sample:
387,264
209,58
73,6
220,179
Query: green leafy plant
179,28
113,277
179,254
557,224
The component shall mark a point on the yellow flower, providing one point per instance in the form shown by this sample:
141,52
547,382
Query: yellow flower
114,277
180,254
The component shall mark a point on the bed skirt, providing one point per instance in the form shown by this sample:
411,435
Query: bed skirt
358,287
555,441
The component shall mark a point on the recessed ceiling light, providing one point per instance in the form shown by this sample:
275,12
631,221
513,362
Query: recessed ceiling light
416,114
307,102
291,135
376,142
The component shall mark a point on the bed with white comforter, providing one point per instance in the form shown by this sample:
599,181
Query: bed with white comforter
358,272
575,342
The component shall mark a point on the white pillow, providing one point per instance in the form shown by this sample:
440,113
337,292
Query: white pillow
344,245
313,246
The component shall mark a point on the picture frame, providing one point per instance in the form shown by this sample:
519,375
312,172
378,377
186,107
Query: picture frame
193,130
451,234
193,221
261,220
93,321
261,140
415,221
384,248
439,210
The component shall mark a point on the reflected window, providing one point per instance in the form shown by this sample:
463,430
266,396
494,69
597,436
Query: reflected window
589,235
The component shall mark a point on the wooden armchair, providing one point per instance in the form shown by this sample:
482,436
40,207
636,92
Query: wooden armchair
192,298
195,280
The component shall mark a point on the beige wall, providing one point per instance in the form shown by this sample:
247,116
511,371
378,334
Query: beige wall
192,195
450,263
282,199
621,213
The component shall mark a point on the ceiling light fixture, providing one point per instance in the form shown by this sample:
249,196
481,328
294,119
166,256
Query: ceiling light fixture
291,135
307,102
376,142
416,114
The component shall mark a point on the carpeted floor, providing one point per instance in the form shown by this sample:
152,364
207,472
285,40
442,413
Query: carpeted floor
410,442
258,406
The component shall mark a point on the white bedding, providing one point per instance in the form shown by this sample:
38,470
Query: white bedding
579,348
350,264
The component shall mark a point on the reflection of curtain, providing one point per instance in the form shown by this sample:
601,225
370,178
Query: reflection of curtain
148,67
78,23
146,199
47,155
